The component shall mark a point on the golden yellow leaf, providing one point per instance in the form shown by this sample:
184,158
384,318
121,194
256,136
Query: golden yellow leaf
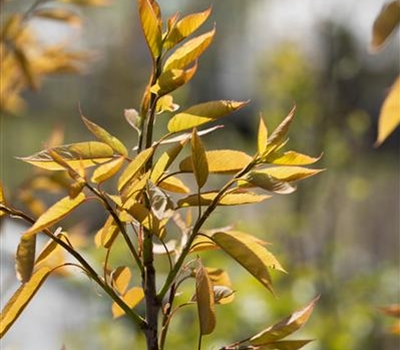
262,138
107,170
266,182
133,191
389,118
203,113
278,136
202,243
121,277
55,213
290,173
149,13
166,104
132,298
52,254
107,234
199,160
291,158
25,258
147,219
2,199
20,299
219,277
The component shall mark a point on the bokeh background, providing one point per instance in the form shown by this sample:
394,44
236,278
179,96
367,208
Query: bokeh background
337,235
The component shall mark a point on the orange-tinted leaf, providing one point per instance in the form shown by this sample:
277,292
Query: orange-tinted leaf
220,161
88,2
107,170
20,299
199,160
55,213
185,27
58,14
84,154
132,298
189,51
247,252
262,137
266,182
389,118
121,277
285,327
149,13
392,310
284,345
291,158
202,113
104,136
205,301
25,258
385,24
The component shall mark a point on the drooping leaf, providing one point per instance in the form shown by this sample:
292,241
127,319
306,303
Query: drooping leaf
55,213
132,298
284,345
134,167
285,327
205,301
203,113
220,161
58,14
266,182
185,27
84,154
121,277
389,118
104,136
107,170
262,137
20,299
25,258
150,18
279,134
189,51
289,173
199,160
385,24
247,252
291,158
233,198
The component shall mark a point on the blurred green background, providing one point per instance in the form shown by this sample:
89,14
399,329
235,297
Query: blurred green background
337,235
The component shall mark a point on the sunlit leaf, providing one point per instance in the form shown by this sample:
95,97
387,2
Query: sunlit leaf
202,243
166,104
132,298
262,136
58,14
266,182
107,234
121,277
219,277
291,158
188,135
252,256
284,345
385,24
107,170
220,161
52,255
189,52
185,27
134,167
104,136
2,198
147,219
285,327
223,295
151,25
199,160
20,299
205,301
84,154
389,117
25,258
233,198
280,132
202,113
289,173
55,213
132,192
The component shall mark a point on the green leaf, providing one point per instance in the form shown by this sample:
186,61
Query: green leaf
189,51
291,158
121,277
284,345
203,113
238,197
25,258
266,182
20,299
285,327
132,298
199,160
205,301
185,27
251,255
262,138
55,213
385,24
389,118
107,170
104,136
82,154
150,18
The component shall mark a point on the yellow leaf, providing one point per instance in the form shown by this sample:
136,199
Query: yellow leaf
223,295
266,182
189,51
202,113
132,298
104,136
262,137
58,14
205,301
220,162
106,235
2,199
247,252
25,258
52,253
107,170
202,243
55,213
134,167
285,327
233,198
173,184
147,219
289,173
121,277
166,104
291,158
219,277
84,154
185,27
151,25
20,299
199,160
133,190
284,345
278,136
389,117
385,24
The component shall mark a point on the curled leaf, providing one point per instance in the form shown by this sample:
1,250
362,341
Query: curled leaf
25,258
